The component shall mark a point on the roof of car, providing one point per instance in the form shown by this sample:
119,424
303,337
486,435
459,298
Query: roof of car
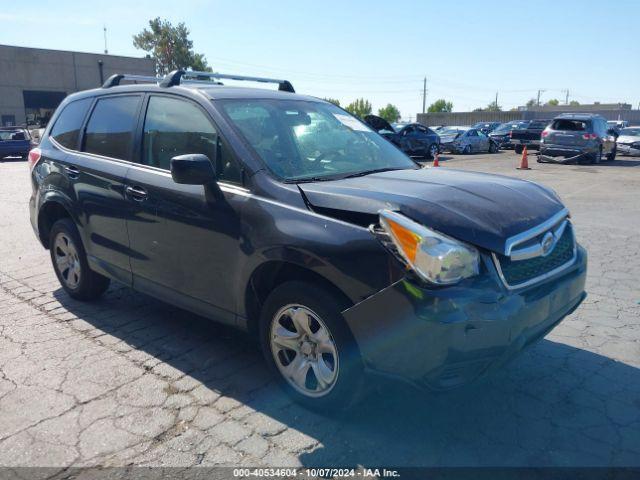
579,116
214,92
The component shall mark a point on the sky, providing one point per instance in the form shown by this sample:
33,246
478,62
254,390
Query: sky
467,50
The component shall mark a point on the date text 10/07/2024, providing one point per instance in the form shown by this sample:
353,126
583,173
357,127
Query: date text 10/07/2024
316,472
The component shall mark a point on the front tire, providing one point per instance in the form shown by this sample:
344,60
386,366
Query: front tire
433,150
612,156
493,148
519,149
70,263
309,347
466,150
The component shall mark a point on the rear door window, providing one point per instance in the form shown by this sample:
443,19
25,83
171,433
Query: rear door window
569,125
66,130
110,129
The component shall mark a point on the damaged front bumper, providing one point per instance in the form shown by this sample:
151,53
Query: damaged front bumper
443,338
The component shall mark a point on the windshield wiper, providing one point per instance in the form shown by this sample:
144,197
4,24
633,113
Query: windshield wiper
369,172
311,179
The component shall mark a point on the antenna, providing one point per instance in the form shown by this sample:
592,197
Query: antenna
104,28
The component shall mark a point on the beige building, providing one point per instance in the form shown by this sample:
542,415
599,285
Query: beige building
33,81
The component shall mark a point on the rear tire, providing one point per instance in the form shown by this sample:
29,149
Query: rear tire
70,263
612,156
518,149
309,348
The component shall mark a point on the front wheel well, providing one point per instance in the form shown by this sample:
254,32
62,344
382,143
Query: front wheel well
49,214
270,275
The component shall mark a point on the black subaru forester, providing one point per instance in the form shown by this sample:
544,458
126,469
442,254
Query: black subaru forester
285,216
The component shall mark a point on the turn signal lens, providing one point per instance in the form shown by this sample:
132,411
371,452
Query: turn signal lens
34,157
407,241
435,257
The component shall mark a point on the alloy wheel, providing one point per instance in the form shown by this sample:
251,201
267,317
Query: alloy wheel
67,260
304,350
433,151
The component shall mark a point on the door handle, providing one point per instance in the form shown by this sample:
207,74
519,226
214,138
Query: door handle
137,193
72,171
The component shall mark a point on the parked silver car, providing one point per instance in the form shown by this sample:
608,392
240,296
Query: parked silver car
466,140
629,141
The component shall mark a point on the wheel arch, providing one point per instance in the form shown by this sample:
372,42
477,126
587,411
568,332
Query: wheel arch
272,273
49,213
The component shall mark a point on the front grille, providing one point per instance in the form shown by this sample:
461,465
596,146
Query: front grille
522,272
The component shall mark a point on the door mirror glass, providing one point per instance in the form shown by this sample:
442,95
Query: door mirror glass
192,169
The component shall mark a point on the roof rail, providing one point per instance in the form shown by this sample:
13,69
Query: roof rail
114,80
179,76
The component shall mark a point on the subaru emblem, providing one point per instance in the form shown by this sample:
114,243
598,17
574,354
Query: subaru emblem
547,243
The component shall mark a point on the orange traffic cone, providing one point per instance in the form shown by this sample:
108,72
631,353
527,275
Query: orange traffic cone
524,163
436,160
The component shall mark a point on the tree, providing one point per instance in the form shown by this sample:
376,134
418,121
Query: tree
390,113
335,101
493,107
169,46
440,105
574,103
532,103
554,102
199,63
359,108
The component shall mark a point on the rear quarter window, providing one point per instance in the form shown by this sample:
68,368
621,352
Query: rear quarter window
66,130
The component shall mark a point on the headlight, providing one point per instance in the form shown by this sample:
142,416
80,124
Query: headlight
434,257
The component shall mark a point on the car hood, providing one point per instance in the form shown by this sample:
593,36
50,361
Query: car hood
378,123
478,208
628,139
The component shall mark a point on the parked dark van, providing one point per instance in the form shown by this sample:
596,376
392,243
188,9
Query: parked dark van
578,137
284,216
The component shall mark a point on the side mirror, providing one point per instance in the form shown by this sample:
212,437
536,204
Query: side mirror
192,169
